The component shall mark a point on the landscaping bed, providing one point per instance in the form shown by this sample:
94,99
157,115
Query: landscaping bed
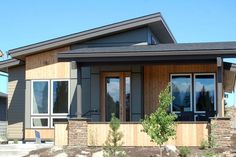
68,151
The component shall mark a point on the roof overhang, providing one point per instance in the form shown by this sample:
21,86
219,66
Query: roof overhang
3,95
154,21
150,53
10,63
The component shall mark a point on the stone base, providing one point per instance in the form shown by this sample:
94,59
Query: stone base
77,132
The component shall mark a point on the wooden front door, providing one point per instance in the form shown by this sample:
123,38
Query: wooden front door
115,95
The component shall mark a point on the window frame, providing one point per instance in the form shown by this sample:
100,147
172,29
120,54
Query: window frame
32,96
191,90
194,94
51,97
51,120
44,117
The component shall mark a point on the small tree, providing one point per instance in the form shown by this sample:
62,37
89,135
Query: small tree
113,144
160,125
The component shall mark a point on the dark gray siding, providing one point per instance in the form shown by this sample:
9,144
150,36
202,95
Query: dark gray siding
91,89
3,109
132,37
16,102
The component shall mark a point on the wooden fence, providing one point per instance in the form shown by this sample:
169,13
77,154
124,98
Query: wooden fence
187,134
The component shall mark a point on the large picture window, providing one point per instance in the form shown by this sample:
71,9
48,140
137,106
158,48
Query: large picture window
60,97
181,91
204,92
40,99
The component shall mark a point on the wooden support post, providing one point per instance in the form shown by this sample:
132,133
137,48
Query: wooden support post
220,93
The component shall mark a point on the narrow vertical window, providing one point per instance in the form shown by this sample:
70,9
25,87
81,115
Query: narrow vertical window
127,97
60,97
204,92
181,91
40,97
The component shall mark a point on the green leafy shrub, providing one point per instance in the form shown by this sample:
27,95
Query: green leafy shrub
160,125
184,151
210,154
203,144
113,144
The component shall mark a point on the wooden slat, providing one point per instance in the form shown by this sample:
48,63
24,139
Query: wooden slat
46,134
156,78
61,134
45,65
187,134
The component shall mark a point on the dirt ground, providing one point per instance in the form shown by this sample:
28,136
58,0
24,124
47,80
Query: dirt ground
130,151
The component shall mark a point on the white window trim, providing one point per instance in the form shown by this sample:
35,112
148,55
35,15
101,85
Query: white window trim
195,107
191,91
56,118
32,96
51,96
32,126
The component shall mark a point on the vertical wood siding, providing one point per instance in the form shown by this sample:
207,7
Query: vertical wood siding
45,66
156,78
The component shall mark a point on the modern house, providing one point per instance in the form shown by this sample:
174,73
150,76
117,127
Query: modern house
119,68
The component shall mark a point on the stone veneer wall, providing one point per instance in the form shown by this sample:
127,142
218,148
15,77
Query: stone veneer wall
77,132
221,130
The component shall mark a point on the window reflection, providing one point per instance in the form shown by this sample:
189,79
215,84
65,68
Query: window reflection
40,97
204,92
127,98
181,91
112,97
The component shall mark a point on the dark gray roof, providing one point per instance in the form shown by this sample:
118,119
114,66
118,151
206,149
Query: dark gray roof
4,65
154,21
224,49
3,95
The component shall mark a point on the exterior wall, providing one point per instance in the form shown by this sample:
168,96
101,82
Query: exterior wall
132,37
91,89
3,109
44,66
156,78
16,102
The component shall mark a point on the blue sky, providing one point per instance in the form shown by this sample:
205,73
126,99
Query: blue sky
26,21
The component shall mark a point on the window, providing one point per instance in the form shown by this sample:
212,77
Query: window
204,92
39,122
46,103
57,119
40,98
181,91
60,97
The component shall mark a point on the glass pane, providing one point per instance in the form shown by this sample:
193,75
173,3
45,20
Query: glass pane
112,97
58,120
181,91
204,92
127,98
40,122
60,96
40,97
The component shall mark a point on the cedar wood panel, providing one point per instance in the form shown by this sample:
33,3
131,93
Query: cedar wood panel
156,78
45,66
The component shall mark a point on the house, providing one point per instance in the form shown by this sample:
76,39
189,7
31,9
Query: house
119,68
3,106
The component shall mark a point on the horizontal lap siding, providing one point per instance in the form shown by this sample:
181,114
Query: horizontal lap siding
156,78
16,102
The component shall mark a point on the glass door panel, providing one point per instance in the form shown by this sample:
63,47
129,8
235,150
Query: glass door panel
112,97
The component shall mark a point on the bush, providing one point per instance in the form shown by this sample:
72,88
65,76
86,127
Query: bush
113,144
210,154
203,144
184,151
